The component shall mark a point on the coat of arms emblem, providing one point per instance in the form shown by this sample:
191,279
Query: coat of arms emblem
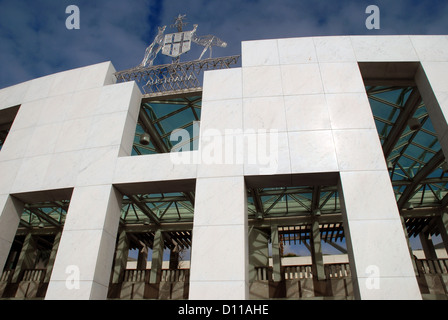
177,75
175,44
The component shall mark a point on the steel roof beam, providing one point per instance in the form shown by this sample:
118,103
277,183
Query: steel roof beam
152,131
148,212
257,202
315,198
411,105
444,201
47,218
159,199
432,164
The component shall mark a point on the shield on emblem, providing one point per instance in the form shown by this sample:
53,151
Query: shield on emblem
175,44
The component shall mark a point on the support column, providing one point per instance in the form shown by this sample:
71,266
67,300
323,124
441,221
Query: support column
443,229
276,256
51,260
414,264
174,256
157,257
316,251
431,83
10,212
219,256
427,246
380,262
121,256
258,251
27,257
142,257
84,261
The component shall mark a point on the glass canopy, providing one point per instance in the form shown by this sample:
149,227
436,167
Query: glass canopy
411,147
415,160
159,117
157,208
44,214
292,201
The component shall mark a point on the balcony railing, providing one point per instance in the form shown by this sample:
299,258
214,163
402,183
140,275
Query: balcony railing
299,282
136,275
175,275
37,275
332,271
6,276
173,284
429,266
168,275
30,285
433,278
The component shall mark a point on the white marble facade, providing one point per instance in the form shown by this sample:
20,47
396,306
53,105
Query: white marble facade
304,98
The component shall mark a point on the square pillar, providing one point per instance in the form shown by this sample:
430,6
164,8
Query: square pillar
431,82
27,257
427,245
54,251
443,228
316,251
380,262
142,257
174,256
10,212
121,256
258,251
414,264
219,256
276,256
157,257
84,260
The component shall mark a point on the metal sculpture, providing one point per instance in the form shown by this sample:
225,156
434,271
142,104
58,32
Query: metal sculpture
208,42
176,44
175,76
152,51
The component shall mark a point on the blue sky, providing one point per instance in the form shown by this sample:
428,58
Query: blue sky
34,41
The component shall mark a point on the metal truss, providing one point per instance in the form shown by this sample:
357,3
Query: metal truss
294,209
44,214
156,209
142,214
292,201
414,155
173,77
160,116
